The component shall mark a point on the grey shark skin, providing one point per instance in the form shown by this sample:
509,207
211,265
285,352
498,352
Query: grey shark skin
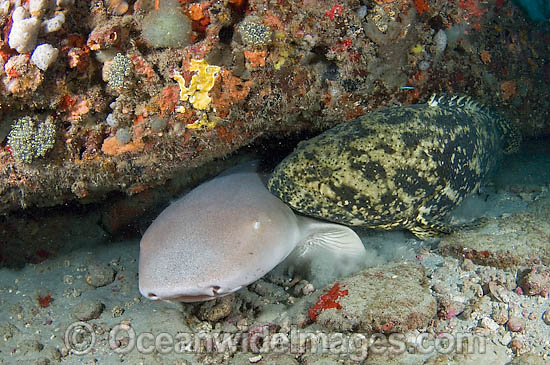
226,234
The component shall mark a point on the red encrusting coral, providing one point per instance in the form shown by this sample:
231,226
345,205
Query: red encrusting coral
472,6
336,10
327,301
168,100
45,301
387,327
229,91
198,13
472,12
238,6
421,6
77,51
6,52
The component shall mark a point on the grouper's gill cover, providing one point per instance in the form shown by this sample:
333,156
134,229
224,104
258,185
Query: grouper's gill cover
401,167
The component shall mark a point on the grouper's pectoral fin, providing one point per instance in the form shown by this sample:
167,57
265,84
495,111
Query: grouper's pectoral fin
425,229
340,242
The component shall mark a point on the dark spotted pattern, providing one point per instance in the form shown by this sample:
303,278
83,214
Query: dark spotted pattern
402,167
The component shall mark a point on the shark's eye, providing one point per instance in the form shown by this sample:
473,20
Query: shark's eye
215,289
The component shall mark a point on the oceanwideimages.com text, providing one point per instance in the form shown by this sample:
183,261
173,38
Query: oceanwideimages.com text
80,339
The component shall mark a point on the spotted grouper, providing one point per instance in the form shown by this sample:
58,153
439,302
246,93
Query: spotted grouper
403,167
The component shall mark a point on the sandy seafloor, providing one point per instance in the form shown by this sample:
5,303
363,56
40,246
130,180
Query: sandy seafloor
471,298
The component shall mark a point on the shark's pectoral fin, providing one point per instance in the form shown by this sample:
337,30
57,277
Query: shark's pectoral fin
321,238
326,252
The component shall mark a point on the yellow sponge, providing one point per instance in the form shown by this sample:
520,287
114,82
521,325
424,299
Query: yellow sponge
201,83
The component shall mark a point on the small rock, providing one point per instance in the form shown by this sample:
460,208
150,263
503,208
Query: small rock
158,124
516,345
546,317
468,265
308,289
23,34
505,339
267,289
100,275
8,330
229,327
449,308
88,310
500,315
385,298
498,292
529,359
297,289
29,347
215,310
241,358
279,359
242,324
487,322
117,311
44,55
537,282
51,355
494,249
516,324
254,359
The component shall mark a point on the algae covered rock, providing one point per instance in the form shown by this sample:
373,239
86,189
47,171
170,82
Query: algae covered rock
386,298
517,239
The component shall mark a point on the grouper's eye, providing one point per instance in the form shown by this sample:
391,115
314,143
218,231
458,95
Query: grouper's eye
325,172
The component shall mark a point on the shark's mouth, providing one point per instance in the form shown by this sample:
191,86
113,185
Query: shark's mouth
193,298
216,293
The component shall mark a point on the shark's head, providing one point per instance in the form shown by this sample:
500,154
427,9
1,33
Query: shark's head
223,235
